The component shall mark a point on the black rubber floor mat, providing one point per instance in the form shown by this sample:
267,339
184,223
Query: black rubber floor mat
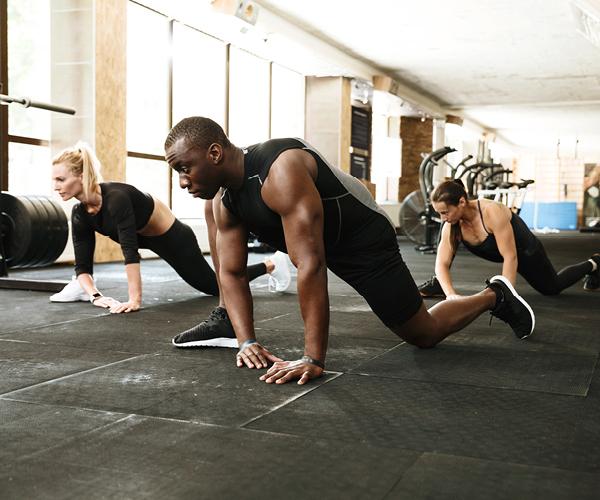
145,458
23,364
559,373
451,477
495,424
206,388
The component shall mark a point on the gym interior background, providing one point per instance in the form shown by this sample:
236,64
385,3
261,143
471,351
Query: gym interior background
372,85
133,69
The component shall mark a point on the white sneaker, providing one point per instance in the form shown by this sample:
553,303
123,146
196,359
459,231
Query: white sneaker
71,293
281,277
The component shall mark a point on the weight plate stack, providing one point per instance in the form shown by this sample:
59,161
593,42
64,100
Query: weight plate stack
35,230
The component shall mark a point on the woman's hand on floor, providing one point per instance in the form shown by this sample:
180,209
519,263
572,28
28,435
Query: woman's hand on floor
125,307
105,302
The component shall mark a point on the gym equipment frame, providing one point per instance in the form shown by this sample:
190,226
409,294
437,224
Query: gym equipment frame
5,281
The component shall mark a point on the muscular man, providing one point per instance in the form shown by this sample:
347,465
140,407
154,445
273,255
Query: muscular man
284,191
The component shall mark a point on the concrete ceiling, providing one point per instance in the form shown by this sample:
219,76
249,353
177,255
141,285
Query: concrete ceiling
518,67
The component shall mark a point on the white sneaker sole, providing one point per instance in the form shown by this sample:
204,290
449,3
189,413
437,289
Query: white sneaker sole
216,342
67,299
499,277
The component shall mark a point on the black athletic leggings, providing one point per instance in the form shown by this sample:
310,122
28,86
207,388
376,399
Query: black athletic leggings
179,248
541,275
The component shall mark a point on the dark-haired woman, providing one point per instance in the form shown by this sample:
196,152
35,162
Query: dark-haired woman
492,231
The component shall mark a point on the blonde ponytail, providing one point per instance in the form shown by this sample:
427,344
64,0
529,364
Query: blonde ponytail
81,160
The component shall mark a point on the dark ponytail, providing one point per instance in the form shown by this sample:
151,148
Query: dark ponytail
450,193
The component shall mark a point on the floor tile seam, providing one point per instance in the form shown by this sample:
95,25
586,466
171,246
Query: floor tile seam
106,469
566,350
100,314
77,347
386,351
74,438
71,375
47,325
420,452
528,466
457,384
128,414
296,397
271,319
508,462
386,496
53,404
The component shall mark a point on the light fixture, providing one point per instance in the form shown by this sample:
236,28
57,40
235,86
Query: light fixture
586,14
246,10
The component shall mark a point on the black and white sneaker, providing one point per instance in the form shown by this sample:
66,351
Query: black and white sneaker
432,289
215,331
591,283
511,307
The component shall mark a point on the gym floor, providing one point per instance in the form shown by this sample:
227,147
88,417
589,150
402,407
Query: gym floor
100,406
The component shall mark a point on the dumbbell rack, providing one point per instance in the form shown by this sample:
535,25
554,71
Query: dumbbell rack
5,280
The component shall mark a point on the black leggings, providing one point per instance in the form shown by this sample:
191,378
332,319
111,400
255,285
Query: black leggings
179,248
541,275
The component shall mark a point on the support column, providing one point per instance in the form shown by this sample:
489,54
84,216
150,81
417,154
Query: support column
417,138
328,118
88,54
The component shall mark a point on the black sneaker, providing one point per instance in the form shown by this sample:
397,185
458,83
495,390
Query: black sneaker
591,283
215,331
511,307
432,289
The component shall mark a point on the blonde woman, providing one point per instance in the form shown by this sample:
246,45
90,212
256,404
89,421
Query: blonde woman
138,220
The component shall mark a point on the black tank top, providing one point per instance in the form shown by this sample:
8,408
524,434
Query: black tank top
125,210
525,241
347,204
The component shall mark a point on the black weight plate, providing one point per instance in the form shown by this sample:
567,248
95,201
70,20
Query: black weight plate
18,218
58,227
41,238
38,242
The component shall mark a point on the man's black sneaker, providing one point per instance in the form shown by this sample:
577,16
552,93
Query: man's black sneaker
215,331
432,289
511,307
591,283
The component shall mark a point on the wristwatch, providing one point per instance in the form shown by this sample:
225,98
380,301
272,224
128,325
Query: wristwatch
95,296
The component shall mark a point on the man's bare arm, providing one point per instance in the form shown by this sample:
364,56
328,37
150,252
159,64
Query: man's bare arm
232,251
290,191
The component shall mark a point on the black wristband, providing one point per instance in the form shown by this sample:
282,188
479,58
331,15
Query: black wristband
313,361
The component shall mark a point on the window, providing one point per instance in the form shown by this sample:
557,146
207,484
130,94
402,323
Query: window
199,89
147,80
249,82
29,65
199,75
28,68
30,169
287,103
149,176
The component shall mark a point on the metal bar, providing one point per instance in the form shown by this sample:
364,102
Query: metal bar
145,156
28,103
28,140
